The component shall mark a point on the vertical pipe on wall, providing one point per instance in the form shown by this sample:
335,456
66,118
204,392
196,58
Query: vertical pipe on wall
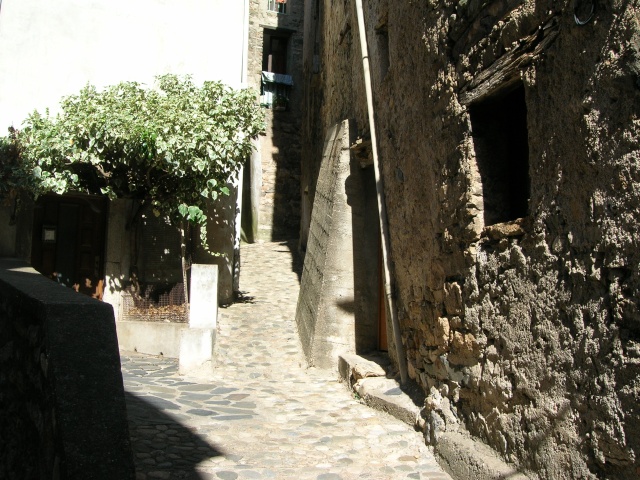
238,181
382,209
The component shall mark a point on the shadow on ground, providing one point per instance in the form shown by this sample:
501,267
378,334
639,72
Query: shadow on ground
163,447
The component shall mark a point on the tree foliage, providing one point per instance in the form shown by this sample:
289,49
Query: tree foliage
174,146
14,176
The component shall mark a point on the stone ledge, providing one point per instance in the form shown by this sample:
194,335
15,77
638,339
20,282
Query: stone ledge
463,457
151,338
385,394
368,379
514,228
354,367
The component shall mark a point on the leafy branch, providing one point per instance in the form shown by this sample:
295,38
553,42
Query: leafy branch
174,147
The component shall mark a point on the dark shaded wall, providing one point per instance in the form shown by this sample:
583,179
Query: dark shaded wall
524,331
62,406
279,156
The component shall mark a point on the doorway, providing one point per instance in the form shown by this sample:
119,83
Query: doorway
275,52
69,241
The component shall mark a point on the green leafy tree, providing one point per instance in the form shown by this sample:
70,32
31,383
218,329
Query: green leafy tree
173,147
15,177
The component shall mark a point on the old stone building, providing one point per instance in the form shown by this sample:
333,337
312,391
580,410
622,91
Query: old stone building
507,135
272,182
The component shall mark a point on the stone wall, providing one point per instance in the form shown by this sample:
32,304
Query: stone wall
62,408
334,89
521,323
279,216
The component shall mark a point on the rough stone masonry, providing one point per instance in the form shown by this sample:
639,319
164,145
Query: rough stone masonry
509,135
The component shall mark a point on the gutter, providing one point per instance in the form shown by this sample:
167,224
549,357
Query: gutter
382,209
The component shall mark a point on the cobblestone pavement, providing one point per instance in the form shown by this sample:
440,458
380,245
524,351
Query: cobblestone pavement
262,413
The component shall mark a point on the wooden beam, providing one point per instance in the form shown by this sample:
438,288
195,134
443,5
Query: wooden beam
506,70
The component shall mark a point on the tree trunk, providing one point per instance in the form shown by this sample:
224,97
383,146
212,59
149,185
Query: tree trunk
184,226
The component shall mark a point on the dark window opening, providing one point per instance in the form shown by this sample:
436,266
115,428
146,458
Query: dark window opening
68,241
276,84
274,53
500,139
278,6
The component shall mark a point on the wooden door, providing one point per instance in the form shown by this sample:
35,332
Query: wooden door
68,241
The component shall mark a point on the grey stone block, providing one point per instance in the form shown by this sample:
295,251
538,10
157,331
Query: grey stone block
61,382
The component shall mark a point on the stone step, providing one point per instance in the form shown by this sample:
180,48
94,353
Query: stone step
460,455
369,380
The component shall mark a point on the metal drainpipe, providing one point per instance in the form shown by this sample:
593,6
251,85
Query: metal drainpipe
238,181
382,209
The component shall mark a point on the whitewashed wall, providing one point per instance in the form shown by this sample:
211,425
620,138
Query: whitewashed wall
50,49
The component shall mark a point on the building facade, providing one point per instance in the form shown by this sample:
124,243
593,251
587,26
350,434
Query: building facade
508,139
53,50
271,202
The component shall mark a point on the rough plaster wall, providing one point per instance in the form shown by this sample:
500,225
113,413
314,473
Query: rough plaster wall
526,334
221,233
117,254
531,338
365,231
279,212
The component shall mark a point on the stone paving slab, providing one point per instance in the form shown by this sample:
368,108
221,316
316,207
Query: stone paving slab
263,414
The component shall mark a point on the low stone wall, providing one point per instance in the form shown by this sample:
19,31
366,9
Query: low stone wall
62,407
150,338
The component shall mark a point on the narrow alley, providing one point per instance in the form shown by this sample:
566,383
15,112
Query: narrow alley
262,414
